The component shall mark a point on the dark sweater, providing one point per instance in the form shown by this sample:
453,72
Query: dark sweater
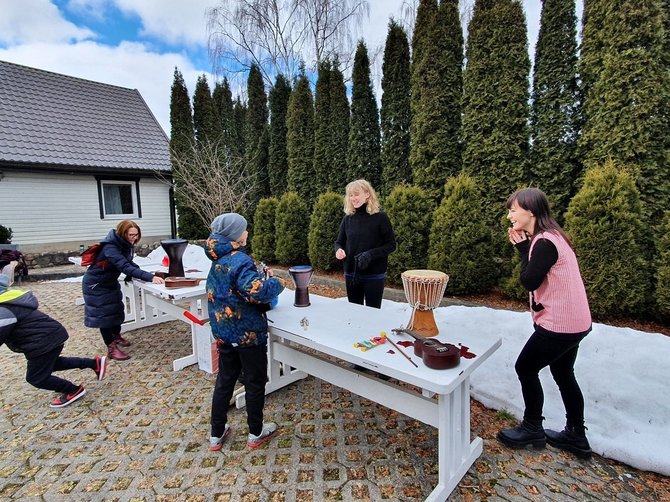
361,232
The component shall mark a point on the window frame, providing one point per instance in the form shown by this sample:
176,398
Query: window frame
119,180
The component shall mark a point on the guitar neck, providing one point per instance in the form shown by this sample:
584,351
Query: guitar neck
411,333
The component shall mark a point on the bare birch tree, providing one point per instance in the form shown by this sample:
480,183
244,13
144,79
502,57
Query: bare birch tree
210,180
279,35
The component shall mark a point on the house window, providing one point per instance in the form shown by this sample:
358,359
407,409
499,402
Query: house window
119,199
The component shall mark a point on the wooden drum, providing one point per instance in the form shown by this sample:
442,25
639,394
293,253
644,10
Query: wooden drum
424,290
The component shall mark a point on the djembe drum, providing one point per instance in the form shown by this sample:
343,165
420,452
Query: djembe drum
174,248
301,275
424,290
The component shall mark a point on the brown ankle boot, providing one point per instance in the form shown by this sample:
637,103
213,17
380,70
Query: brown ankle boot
114,352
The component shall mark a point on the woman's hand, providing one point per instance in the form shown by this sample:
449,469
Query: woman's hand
340,254
158,280
269,272
516,236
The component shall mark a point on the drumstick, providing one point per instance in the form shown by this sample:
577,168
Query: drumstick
400,350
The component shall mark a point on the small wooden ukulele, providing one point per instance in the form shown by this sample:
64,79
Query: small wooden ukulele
435,354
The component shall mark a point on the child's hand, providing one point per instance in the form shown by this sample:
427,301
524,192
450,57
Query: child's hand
158,280
340,254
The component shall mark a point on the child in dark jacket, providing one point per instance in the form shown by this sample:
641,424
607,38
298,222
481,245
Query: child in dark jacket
238,298
41,340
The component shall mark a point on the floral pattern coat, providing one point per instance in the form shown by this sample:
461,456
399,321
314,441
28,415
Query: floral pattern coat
237,295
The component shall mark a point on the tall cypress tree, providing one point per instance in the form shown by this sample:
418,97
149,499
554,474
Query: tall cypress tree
436,116
339,130
223,103
426,15
300,141
205,118
593,45
395,111
182,136
628,103
278,158
364,135
238,128
322,160
555,113
495,97
256,137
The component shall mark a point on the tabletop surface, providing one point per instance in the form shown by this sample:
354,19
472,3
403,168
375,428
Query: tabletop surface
333,326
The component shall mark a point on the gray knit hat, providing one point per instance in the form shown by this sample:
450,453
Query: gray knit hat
230,225
4,283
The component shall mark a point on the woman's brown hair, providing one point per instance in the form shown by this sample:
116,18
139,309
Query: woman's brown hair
125,225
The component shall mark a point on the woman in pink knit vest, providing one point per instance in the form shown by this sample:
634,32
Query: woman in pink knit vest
561,318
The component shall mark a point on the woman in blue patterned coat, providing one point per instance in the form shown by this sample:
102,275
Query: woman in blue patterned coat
103,298
238,298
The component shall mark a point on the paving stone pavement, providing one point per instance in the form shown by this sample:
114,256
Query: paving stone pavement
142,434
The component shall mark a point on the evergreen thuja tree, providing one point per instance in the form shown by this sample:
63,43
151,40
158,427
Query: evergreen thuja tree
662,267
278,157
300,141
324,225
436,116
555,115
264,241
395,111
605,219
256,136
363,154
410,210
205,117
181,142
339,130
223,103
495,101
462,248
292,219
322,131
627,108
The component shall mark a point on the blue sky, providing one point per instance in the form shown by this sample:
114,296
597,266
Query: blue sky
137,43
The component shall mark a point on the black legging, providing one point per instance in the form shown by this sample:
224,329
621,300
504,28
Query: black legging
559,352
365,292
109,334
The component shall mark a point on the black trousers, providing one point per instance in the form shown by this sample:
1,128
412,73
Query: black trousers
559,353
39,370
109,334
233,360
363,292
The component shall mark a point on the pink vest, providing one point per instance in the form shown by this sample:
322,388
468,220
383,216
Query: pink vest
566,308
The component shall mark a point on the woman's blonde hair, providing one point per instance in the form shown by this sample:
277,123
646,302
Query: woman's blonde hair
125,225
361,186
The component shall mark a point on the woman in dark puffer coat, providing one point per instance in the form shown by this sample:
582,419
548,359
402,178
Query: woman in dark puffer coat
103,298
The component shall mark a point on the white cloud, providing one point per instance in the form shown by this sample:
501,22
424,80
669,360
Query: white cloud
129,65
173,21
31,21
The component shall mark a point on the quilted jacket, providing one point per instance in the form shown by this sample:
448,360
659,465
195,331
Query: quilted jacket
100,286
237,294
24,328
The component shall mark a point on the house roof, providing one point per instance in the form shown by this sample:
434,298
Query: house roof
55,120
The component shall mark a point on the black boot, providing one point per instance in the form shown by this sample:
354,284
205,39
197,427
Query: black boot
527,433
572,439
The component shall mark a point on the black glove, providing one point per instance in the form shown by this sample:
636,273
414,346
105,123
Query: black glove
363,260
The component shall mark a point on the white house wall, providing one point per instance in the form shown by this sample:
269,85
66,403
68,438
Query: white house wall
51,212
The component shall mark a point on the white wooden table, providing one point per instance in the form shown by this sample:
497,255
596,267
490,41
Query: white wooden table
148,304
444,399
